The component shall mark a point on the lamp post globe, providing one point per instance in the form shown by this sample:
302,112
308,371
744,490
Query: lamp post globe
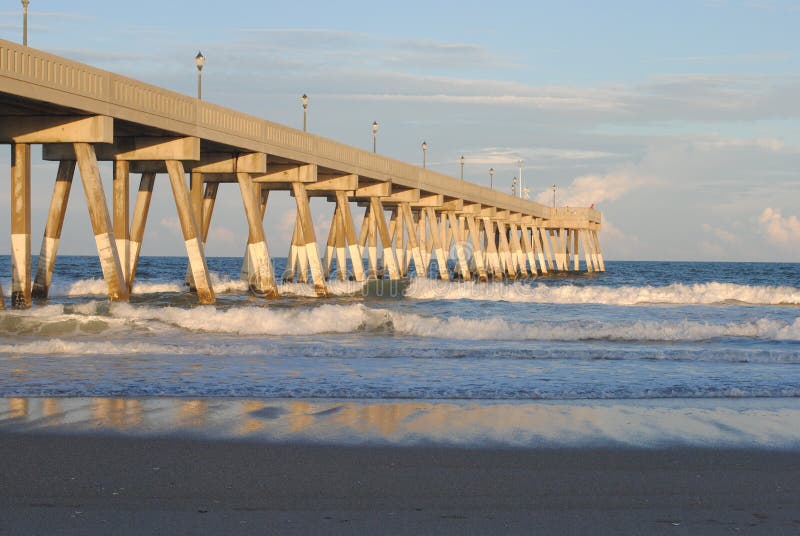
25,4
199,61
374,136
304,101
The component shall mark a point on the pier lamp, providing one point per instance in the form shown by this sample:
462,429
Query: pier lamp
491,178
25,4
519,165
374,136
199,60
554,196
424,154
462,167
514,187
304,100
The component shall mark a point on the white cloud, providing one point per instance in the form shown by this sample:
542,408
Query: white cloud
780,230
721,235
764,144
593,189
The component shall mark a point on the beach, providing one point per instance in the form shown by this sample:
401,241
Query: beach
101,484
656,398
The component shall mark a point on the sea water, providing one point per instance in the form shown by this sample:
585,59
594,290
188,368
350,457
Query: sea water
640,332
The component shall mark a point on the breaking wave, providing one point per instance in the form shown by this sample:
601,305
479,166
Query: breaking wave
677,294
98,317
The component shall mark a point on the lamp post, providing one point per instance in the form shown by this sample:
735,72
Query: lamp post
519,166
25,4
304,100
554,196
491,178
462,167
514,187
374,136
199,60
424,154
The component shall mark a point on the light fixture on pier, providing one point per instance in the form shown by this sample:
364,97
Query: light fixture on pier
491,178
199,60
514,187
304,101
519,166
374,136
25,4
554,196
462,167
424,154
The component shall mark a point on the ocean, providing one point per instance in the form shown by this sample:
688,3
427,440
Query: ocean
642,334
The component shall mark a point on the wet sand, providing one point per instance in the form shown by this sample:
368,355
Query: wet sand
96,484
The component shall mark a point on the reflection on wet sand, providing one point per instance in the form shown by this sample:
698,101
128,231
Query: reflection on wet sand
192,413
773,423
117,413
17,408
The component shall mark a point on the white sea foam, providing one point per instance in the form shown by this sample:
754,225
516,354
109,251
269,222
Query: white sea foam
348,318
335,288
258,320
98,287
500,329
697,294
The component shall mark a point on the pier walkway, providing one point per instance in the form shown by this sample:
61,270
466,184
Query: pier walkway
82,115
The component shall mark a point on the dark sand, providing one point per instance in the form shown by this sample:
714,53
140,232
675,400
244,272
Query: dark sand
82,484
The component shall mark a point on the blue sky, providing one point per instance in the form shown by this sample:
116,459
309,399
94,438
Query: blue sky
679,120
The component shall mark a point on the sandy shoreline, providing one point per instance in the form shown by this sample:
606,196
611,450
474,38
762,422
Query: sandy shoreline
84,484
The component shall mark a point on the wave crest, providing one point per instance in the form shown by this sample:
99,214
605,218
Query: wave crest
675,294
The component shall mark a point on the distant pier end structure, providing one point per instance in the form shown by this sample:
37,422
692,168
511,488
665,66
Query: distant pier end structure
82,115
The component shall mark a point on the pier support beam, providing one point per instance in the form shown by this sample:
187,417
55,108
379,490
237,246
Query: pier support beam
191,235
340,245
389,259
477,251
461,256
505,251
493,259
52,230
140,211
587,251
599,251
411,228
356,258
113,273
20,225
306,229
536,237
436,238
121,214
260,275
517,254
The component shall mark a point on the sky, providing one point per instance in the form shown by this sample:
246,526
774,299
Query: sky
679,120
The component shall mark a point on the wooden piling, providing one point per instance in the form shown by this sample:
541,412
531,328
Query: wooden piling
477,250
52,230
307,230
191,234
140,211
261,276
389,259
113,273
436,239
20,225
356,258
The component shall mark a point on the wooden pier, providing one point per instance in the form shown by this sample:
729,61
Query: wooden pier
82,115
